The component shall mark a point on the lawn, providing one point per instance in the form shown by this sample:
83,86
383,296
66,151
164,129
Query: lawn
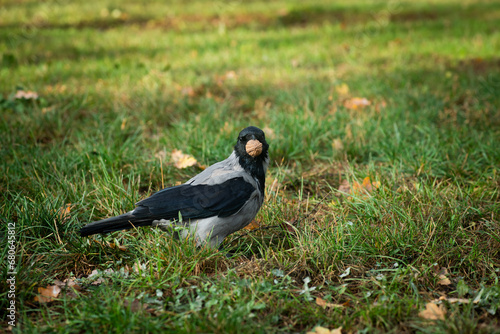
382,210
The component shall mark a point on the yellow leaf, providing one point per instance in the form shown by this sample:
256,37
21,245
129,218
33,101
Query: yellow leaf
342,89
182,160
356,103
120,247
357,188
432,312
46,295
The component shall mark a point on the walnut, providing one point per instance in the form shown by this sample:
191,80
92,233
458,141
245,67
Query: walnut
253,148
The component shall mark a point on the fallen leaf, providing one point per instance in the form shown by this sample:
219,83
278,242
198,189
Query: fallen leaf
324,304
254,224
26,95
458,300
364,188
323,330
100,279
46,295
70,287
71,283
337,145
120,247
443,280
93,273
342,89
432,312
356,103
441,275
182,160
452,300
138,267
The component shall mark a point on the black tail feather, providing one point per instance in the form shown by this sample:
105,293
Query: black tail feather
122,222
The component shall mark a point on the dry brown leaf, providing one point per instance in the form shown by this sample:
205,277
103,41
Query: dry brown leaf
432,312
337,145
356,103
120,247
46,295
98,281
93,273
71,283
443,280
26,95
254,224
323,330
452,300
182,160
70,287
324,304
441,275
138,267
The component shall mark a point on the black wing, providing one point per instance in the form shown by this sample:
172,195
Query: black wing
196,201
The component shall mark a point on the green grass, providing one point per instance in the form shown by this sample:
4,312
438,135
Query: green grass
122,84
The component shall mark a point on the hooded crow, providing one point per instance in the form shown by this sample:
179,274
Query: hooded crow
219,201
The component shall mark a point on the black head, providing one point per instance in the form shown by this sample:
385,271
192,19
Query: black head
252,152
252,144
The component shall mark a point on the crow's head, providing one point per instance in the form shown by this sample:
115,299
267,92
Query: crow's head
252,145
